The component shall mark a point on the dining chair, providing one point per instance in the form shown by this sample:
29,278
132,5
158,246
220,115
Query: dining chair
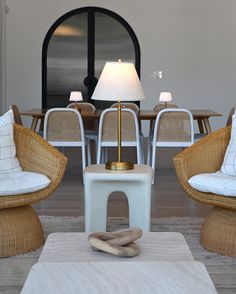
136,109
107,133
18,120
173,128
16,114
82,106
63,127
198,136
158,107
91,132
129,105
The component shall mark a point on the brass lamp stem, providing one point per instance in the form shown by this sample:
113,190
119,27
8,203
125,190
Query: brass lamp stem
119,131
119,165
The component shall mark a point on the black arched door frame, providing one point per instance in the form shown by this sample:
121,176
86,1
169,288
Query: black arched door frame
91,10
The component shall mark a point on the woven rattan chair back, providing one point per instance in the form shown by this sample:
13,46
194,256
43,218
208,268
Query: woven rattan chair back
173,128
109,127
129,105
83,107
16,114
107,135
157,108
64,127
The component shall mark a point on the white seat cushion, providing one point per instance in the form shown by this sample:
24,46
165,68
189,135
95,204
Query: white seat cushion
15,183
217,183
8,160
229,164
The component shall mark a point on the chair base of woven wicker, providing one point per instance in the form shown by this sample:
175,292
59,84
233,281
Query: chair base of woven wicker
20,231
218,233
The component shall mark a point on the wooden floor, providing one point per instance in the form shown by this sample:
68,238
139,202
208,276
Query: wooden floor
168,198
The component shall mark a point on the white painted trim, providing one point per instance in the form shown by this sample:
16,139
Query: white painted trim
2,56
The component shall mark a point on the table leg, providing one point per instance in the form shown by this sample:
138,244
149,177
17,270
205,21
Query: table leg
200,126
34,123
41,124
207,125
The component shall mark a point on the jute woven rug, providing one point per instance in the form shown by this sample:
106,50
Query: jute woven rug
14,270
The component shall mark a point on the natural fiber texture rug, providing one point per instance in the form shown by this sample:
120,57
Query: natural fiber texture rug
14,270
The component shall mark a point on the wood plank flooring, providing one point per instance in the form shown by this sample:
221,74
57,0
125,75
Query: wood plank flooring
168,198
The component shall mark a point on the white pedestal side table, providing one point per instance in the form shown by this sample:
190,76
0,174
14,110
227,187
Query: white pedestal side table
99,183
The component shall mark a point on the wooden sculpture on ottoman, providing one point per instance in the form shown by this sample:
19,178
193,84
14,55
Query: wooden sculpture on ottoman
20,227
120,243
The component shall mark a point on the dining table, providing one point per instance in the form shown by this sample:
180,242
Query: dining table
202,117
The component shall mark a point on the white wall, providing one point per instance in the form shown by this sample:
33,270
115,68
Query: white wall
192,42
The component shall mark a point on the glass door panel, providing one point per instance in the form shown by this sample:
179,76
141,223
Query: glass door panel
67,61
112,42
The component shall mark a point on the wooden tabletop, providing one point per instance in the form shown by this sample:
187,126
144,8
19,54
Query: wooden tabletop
142,115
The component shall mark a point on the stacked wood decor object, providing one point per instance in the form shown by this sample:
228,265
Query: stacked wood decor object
120,243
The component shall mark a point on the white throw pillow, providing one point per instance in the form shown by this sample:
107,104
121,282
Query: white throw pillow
229,164
8,160
15,183
217,183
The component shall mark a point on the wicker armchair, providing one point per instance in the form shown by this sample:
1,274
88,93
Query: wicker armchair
218,231
20,228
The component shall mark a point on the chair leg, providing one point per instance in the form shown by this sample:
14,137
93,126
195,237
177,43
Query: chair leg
89,152
149,152
218,232
83,157
99,154
20,231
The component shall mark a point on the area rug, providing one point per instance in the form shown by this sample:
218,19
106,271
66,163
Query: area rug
14,270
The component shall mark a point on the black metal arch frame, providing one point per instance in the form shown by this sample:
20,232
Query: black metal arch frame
91,10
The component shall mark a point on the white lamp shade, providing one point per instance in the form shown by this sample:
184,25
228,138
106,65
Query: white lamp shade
165,97
76,96
118,82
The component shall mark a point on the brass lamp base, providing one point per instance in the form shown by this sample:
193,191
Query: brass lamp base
119,165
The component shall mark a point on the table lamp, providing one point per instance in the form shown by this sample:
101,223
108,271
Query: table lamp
119,82
165,97
76,96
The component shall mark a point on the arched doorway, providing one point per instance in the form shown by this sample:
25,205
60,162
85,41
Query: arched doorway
76,48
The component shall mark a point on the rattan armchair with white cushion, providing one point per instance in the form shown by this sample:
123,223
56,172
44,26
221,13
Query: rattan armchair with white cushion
218,232
20,228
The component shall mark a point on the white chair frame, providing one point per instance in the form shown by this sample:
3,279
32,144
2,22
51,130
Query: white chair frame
92,135
102,144
153,143
84,142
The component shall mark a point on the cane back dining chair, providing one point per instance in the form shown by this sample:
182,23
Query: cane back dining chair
107,134
129,105
63,127
16,114
136,109
173,128
160,106
90,128
198,136
20,227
